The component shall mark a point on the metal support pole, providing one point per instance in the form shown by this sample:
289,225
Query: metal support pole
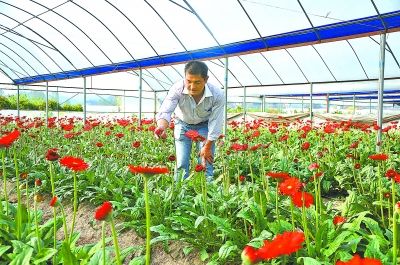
18,101
244,104
311,102
263,104
302,104
84,100
226,96
370,106
124,109
155,104
380,91
327,103
354,104
47,104
140,97
58,105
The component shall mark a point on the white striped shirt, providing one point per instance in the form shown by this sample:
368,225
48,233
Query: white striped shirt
210,107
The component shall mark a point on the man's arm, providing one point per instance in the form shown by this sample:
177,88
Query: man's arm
215,122
167,107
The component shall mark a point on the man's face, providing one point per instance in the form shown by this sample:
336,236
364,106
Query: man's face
195,84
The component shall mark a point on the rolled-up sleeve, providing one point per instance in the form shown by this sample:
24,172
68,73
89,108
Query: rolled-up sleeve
216,119
169,104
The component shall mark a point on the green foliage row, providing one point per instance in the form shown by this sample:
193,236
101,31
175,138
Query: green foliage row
25,103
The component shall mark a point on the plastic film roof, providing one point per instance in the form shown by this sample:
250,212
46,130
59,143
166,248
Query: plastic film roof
268,42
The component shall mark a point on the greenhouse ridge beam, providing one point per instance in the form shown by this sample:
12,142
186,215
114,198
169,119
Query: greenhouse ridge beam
333,32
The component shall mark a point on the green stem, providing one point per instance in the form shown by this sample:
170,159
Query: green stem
116,246
204,191
3,159
394,223
147,206
292,213
264,178
52,179
75,207
54,209
103,241
380,192
36,222
19,205
54,232
316,204
304,219
276,202
64,223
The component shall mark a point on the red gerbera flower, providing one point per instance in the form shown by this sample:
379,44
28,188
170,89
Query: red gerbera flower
199,168
103,211
378,157
99,144
239,147
357,260
172,158
119,135
337,220
278,175
329,129
53,201
242,178
290,186
148,170
354,145
390,173
302,197
52,154
305,146
67,127
69,135
74,163
8,139
283,244
313,166
38,182
194,136
357,165
250,255
136,144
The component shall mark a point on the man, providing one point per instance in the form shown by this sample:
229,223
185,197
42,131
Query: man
198,106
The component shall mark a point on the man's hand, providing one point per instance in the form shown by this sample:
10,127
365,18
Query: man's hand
206,153
160,133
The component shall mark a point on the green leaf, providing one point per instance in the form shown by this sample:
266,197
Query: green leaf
137,261
335,244
227,249
24,257
3,249
128,250
44,254
187,250
203,255
67,256
199,220
308,261
97,258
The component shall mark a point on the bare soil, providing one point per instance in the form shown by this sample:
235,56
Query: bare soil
90,232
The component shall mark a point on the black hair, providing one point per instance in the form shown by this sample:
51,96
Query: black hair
196,68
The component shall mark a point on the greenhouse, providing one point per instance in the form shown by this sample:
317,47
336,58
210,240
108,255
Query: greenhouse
287,154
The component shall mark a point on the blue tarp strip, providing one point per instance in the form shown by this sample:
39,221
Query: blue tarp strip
344,30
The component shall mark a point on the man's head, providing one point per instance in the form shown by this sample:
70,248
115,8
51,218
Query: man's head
196,76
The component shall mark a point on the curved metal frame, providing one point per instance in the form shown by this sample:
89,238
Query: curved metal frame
52,10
